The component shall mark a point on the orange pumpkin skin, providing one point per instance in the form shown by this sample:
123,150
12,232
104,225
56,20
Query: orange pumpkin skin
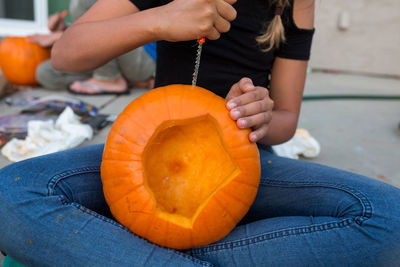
176,170
19,60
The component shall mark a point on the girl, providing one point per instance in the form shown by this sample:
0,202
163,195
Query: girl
53,209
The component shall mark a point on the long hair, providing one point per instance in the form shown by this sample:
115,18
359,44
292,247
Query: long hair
275,33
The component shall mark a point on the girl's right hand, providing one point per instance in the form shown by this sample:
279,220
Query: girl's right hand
183,20
56,22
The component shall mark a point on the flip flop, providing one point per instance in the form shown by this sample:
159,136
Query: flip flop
98,90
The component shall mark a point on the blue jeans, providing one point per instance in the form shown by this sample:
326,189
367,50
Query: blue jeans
53,213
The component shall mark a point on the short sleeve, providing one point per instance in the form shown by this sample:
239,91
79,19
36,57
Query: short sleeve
298,41
145,4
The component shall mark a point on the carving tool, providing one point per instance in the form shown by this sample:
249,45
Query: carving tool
200,42
64,14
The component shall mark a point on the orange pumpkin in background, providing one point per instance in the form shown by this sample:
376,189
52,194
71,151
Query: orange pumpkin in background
177,170
20,58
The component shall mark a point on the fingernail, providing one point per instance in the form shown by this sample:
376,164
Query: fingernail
231,105
242,123
253,137
236,113
248,86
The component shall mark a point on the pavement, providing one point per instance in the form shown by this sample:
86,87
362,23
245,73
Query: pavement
360,136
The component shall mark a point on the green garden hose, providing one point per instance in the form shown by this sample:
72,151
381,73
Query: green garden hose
350,97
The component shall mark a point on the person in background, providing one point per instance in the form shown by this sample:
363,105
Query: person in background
133,69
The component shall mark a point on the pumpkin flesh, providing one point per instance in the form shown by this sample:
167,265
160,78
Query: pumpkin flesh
186,160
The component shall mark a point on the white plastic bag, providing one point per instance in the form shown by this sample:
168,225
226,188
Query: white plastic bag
302,143
45,137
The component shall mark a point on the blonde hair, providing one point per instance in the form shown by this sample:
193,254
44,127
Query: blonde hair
275,33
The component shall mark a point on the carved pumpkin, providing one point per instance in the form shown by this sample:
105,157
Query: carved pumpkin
176,169
20,58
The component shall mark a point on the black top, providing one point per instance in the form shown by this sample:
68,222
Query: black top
235,55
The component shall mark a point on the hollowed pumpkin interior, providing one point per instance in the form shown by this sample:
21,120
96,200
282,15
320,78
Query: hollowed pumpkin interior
185,162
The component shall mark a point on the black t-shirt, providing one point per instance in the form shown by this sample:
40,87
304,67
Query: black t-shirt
235,55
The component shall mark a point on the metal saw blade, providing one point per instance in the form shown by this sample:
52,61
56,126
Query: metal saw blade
197,62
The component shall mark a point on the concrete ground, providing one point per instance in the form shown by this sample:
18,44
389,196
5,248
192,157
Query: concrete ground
360,136
355,135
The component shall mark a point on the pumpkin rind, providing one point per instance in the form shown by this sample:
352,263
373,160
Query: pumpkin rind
19,60
130,193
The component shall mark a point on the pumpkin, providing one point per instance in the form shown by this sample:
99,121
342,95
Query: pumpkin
176,169
19,60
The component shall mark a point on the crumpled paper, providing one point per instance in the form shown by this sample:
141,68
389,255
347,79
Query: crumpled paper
302,144
45,137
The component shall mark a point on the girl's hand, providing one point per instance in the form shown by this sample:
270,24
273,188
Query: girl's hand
183,20
251,107
45,40
56,22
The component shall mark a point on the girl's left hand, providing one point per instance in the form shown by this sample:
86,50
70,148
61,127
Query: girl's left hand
45,40
251,107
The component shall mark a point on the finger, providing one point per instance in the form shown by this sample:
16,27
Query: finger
231,2
252,109
226,10
33,38
254,120
222,25
246,85
253,96
237,90
259,133
213,34
234,92
54,21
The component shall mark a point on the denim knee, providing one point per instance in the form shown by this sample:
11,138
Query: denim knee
12,196
17,187
35,177
386,224
11,182
389,211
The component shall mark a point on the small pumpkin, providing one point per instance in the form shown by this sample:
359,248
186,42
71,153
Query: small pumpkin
19,60
177,170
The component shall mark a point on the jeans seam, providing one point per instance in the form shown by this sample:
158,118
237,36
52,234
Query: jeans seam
365,203
114,223
366,214
57,178
273,235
